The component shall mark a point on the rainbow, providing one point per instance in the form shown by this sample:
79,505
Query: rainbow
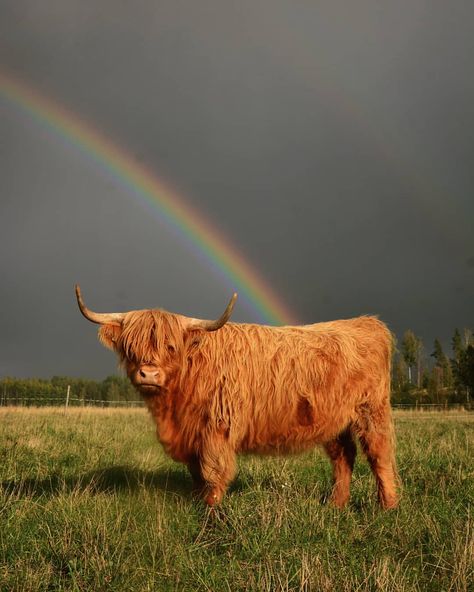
191,228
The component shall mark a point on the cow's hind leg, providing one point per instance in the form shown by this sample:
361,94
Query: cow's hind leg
218,466
376,438
342,452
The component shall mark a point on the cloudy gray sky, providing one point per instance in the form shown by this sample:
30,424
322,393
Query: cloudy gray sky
332,143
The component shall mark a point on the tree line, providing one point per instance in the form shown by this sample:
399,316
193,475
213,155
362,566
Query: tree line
419,376
53,391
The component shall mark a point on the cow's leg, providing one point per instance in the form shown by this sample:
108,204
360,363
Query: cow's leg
218,466
194,468
342,452
376,438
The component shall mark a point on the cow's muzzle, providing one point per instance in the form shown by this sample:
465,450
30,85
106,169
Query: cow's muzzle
149,376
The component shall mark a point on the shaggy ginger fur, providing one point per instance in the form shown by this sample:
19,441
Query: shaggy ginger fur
265,390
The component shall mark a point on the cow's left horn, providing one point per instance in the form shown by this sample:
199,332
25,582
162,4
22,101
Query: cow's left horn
220,322
97,317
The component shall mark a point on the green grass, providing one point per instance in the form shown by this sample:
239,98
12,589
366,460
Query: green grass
88,501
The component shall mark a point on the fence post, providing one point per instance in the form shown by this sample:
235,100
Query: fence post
67,396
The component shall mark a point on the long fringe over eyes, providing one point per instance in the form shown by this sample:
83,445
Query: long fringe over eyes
148,334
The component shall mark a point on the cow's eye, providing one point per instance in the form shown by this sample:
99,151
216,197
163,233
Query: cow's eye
171,348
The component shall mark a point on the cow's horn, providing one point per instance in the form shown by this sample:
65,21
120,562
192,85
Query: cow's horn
220,322
97,317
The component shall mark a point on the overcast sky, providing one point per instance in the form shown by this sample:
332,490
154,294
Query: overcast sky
332,143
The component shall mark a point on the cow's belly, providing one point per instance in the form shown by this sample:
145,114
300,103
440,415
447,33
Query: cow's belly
306,427
291,441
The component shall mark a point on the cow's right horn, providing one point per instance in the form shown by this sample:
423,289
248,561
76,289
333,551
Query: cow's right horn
220,322
97,317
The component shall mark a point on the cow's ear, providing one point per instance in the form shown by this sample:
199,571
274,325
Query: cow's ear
109,335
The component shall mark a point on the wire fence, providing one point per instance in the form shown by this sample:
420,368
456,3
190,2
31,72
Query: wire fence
434,406
43,401
19,400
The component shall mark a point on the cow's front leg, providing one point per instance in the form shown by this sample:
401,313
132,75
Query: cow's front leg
217,467
194,468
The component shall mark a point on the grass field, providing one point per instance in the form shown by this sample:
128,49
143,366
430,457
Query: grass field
88,501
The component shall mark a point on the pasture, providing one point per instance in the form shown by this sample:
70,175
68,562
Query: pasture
88,501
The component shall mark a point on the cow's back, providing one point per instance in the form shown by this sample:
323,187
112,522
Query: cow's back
283,389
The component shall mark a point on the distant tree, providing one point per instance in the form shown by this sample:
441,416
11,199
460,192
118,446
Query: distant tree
118,388
435,383
399,373
61,382
457,345
412,349
458,350
461,362
444,375
466,370
425,378
112,392
448,375
438,353
468,338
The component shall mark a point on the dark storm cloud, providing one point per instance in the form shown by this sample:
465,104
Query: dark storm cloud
330,141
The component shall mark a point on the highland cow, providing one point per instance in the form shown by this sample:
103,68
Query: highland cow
216,389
